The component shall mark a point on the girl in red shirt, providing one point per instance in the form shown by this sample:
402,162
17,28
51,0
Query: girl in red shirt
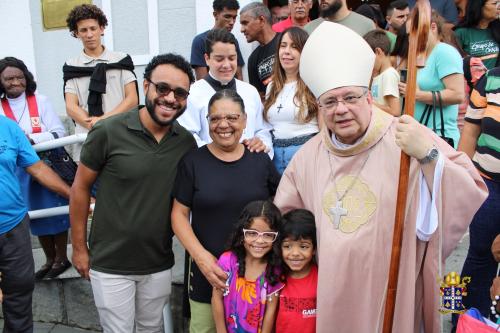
297,306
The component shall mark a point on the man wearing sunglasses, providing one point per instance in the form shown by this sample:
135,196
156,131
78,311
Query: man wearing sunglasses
135,155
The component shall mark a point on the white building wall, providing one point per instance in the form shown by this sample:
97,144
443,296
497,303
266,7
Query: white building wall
16,39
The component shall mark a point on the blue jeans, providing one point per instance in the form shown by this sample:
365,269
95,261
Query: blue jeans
283,156
480,264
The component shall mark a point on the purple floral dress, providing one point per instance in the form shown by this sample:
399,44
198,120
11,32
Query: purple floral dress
245,300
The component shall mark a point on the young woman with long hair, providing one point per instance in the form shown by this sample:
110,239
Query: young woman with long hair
290,107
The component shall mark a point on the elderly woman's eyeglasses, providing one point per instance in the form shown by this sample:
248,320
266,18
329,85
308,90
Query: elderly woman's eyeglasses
163,89
267,236
331,104
230,118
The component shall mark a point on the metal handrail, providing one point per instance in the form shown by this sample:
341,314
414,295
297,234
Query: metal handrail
60,142
51,144
50,212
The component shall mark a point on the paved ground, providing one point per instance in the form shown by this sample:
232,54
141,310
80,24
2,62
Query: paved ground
53,328
454,263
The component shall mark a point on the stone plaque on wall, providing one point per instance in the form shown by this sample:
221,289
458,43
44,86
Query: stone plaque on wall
55,12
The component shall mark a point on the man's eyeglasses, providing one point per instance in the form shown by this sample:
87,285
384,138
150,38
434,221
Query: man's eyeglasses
332,104
163,89
296,2
267,236
230,118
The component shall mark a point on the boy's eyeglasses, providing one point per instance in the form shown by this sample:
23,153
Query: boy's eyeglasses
267,236
163,89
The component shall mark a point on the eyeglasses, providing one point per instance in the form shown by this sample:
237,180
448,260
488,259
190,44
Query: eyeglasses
267,236
230,118
296,2
163,89
332,104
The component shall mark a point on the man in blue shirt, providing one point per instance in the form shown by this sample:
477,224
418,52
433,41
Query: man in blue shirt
16,258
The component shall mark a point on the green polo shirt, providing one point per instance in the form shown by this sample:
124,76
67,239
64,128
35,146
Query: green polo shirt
131,229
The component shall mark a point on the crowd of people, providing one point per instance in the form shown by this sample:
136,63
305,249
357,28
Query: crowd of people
282,189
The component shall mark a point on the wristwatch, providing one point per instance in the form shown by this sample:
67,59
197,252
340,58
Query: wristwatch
432,154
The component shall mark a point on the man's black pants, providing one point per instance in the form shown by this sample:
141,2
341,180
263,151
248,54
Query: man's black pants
18,282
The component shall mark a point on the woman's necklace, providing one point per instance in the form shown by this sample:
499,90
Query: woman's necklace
338,211
285,97
24,110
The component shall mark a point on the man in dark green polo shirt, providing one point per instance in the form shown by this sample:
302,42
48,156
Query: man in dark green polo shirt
135,156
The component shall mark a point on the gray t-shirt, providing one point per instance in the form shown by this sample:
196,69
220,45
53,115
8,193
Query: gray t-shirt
354,21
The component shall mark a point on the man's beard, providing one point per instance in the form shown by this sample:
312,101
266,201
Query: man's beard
150,106
332,9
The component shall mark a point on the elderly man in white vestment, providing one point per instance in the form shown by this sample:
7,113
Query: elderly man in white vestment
348,176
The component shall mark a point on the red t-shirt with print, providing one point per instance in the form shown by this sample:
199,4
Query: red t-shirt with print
297,308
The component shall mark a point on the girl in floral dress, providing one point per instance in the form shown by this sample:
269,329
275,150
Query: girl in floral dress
249,301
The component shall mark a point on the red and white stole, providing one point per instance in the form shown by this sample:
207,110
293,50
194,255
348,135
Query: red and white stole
33,111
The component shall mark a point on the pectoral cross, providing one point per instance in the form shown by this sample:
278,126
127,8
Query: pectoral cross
338,211
280,107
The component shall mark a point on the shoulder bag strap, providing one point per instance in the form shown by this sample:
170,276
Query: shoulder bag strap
424,118
428,110
441,112
434,111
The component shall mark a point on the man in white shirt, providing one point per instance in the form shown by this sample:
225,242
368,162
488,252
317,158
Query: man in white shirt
221,57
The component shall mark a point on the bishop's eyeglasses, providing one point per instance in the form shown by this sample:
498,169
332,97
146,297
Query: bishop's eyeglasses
331,104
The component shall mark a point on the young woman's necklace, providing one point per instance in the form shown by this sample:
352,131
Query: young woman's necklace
284,97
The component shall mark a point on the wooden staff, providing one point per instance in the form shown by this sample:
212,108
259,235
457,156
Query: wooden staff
420,23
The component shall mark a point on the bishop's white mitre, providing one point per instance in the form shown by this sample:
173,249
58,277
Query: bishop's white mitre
335,56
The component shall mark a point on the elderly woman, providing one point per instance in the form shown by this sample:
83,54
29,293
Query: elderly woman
213,185
442,78
36,117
